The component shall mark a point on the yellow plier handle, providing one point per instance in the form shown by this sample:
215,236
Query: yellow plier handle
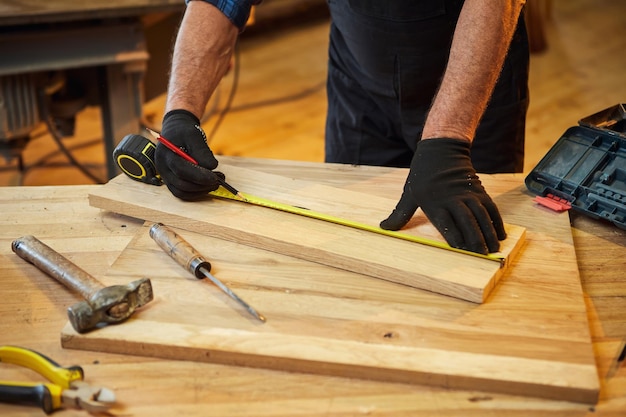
46,395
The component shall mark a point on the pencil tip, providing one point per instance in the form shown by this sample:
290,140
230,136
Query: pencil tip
152,132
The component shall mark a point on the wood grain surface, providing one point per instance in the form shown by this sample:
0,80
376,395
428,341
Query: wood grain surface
530,338
458,275
33,312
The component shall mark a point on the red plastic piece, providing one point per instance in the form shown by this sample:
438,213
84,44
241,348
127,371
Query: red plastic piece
553,203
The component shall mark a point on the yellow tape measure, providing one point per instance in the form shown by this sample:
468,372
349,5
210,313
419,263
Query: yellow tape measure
224,193
135,156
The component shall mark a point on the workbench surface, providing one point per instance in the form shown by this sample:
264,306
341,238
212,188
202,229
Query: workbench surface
33,312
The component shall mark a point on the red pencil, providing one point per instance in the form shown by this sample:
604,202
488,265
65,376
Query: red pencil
172,147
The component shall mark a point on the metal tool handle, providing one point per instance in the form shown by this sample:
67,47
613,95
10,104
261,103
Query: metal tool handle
179,249
56,265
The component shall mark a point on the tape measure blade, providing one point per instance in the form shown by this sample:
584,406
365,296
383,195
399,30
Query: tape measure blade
258,201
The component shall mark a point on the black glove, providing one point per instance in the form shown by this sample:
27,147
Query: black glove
443,182
184,179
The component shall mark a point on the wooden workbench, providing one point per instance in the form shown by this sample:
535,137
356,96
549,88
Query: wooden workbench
32,313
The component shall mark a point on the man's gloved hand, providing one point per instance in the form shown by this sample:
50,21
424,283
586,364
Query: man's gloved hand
443,182
184,179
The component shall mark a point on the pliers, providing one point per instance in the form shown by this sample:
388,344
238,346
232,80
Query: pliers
65,390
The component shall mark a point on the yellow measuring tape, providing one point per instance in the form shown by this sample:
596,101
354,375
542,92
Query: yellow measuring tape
223,193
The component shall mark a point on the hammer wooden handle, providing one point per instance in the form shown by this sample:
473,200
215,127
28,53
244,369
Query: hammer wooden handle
56,265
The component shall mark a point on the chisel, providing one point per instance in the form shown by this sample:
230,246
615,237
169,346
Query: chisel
186,256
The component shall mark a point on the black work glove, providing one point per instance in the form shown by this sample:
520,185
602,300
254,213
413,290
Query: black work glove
443,182
184,179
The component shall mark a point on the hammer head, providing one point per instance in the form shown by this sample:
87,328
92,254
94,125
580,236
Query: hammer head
110,305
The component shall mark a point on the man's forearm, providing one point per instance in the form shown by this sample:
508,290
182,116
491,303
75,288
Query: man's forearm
481,41
202,54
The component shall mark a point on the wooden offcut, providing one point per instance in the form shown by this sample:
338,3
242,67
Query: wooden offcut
421,266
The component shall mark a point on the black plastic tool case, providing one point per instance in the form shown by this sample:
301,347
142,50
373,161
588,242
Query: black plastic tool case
587,167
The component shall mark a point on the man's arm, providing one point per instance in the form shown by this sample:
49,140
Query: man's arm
202,53
480,44
204,46
442,180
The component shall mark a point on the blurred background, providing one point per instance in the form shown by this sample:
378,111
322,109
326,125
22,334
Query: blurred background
76,78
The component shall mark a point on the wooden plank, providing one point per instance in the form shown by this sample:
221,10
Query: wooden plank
531,338
454,274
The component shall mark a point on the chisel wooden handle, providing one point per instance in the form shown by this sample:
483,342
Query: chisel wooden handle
179,249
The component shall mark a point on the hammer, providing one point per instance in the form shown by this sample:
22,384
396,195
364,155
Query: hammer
102,304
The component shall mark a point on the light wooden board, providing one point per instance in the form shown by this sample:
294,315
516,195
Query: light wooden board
420,266
531,338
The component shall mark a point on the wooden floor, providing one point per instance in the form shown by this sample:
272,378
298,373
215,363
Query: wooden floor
279,107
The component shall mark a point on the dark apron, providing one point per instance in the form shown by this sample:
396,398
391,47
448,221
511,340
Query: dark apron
386,60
